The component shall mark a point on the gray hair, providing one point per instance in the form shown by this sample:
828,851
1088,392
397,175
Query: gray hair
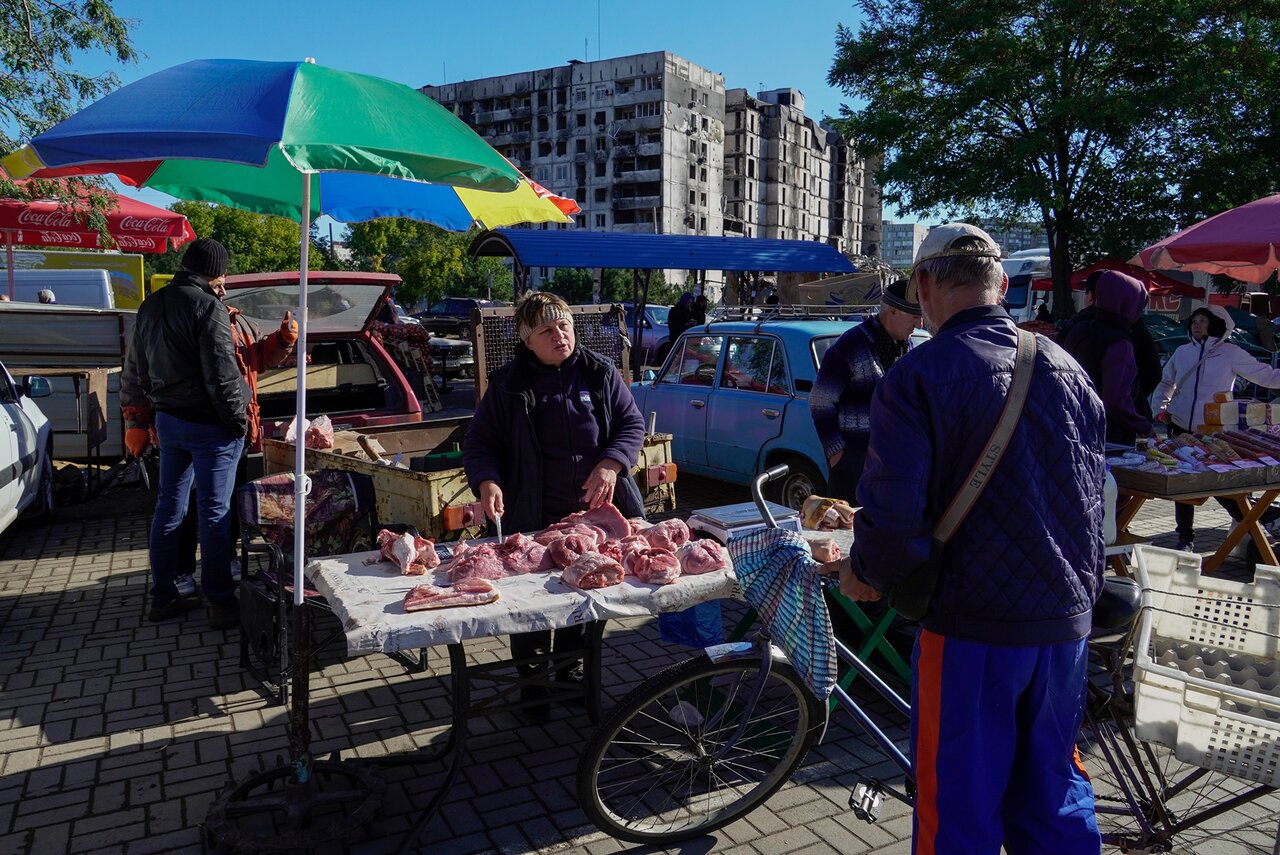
967,271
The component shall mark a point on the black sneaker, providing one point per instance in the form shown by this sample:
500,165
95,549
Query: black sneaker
224,617
175,609
573,676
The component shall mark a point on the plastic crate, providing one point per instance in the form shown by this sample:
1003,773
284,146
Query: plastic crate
1206,676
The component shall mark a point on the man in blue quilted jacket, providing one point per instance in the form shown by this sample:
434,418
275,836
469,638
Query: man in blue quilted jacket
999,661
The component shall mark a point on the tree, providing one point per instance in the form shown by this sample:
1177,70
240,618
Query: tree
432,262
258,243
1106,119
41,41
576,286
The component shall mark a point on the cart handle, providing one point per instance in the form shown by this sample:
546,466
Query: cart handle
770,474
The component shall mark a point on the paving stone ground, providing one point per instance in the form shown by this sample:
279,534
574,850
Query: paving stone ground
117,734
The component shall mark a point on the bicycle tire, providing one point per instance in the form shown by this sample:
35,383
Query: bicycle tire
686,791
1167,793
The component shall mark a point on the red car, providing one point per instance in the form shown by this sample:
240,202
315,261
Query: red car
350,377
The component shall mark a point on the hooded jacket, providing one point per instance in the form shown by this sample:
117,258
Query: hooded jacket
1104,349
1200,369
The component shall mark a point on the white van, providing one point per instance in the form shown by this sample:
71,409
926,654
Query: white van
90,288
1021,267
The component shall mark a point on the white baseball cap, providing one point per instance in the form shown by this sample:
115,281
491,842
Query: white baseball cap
941,240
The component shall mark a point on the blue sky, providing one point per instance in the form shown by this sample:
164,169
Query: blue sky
753,43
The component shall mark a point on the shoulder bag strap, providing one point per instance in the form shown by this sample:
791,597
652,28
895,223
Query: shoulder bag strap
994,450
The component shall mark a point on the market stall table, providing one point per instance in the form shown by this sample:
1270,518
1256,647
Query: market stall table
368,600
1138,493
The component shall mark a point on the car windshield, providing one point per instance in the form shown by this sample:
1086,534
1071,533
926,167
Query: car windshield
660,313
330,308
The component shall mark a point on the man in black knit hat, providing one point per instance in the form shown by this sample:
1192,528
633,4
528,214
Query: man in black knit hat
181,381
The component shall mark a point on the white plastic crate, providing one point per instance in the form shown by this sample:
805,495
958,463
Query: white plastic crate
1206,676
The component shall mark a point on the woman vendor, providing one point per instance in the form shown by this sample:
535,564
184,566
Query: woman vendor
557,431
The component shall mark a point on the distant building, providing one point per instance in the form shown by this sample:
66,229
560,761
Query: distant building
652,143
1016,237
901,240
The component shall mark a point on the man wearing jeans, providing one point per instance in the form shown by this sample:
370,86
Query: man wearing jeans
1000,658
181,380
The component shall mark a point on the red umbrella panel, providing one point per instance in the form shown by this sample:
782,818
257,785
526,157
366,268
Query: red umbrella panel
1158,284
1240,243
135,226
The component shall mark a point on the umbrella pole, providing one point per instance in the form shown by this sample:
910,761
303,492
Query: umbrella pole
8,257
299,711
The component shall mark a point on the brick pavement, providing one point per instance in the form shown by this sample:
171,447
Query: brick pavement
117,734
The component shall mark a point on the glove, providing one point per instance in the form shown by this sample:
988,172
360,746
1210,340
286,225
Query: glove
1162,416
289,329
136,439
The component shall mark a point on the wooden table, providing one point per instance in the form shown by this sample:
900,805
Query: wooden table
1251,512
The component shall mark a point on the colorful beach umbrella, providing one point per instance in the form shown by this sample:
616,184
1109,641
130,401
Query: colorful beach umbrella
290,138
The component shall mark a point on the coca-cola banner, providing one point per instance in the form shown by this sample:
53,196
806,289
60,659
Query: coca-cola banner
135,226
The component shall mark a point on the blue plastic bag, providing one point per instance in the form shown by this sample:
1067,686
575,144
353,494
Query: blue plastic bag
696,626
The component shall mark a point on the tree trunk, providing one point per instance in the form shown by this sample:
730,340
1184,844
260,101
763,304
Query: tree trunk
1060,264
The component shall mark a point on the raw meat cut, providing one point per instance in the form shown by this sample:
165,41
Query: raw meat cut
654,566
476,562
465,592
668,534
593,570
613,549
638,525
522,554
702,556
412,554
560,529
606,517
824,549
567,549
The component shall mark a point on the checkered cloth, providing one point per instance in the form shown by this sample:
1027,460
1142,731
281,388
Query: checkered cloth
779,578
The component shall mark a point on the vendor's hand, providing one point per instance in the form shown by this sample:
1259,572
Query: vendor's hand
598,488
289,329
834,459
853,587
1162,416
137,440
491,500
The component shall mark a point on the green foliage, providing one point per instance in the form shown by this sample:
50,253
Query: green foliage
41,41
616,286
1113,122
257,243
432,262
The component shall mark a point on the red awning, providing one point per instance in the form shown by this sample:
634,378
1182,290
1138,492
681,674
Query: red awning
136,226
1158,284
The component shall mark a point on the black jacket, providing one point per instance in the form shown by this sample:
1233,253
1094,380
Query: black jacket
182,361
502,441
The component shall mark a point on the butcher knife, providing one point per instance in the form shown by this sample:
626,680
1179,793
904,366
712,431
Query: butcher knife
497,521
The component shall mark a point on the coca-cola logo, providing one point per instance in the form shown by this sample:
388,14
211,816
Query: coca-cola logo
134,242
147,225
56,219
60,238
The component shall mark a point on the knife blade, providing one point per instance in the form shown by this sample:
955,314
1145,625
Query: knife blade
497,521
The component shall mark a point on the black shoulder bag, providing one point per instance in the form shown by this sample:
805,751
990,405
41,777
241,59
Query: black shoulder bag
911,597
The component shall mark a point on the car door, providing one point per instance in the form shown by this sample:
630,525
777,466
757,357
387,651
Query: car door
746,407
11,421
680,394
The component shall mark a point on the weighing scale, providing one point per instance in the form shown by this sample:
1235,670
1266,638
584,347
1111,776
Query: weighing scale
729,521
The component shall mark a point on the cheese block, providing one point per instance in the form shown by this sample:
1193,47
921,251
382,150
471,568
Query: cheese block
1240,413
1273,414
1223,397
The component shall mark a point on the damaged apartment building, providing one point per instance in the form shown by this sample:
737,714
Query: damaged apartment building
641,144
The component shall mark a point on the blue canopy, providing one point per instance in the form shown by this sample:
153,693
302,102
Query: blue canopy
581,248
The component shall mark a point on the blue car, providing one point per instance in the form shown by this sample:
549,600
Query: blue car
735,397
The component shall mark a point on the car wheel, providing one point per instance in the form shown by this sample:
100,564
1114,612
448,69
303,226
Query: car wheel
44,503
801,482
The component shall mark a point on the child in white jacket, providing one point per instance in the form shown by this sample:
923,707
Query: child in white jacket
1201,368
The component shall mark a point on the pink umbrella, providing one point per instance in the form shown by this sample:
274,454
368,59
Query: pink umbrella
1240,243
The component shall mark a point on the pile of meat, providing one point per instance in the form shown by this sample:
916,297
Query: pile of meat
414,555
594,549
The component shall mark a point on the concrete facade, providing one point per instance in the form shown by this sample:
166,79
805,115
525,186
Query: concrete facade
648,144
901,240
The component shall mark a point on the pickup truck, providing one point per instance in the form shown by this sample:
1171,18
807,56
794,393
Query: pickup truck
452,315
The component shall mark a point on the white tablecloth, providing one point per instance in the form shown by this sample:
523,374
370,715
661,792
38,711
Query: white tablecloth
369,601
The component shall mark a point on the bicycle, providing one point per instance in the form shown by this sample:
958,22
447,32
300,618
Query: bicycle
704,742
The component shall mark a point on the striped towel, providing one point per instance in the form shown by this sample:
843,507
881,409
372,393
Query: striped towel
779,578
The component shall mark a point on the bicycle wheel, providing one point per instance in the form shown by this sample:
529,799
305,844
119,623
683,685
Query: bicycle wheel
1150,801
660,768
